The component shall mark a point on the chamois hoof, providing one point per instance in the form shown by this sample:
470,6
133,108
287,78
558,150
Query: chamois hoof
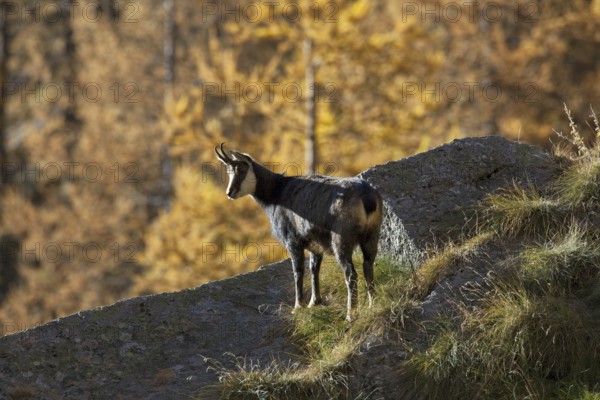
297,307
314,303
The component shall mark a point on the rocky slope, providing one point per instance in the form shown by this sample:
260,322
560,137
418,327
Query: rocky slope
428,195
157,347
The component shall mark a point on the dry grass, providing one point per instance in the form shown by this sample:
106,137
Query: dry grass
523,211
445,262
534,334
517,344
580,185
562,265
274,381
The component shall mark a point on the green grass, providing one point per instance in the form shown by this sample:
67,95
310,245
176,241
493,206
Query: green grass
323,331
327,340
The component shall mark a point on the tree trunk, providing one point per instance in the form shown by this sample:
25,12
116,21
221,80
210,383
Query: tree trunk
166,189
3,79
169,47
109,11
72,123
310,157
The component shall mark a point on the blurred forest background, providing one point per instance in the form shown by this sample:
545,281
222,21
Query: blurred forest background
110,111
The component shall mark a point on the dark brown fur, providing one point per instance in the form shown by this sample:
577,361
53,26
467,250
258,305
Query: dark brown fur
319,214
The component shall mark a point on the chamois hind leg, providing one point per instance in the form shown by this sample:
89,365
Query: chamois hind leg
297,256
343,255
369,250
315,267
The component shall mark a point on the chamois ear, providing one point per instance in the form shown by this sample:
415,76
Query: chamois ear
241,156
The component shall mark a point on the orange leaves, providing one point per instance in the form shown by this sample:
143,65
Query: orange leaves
205,236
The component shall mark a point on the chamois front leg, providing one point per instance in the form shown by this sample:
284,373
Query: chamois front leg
315,267
297,256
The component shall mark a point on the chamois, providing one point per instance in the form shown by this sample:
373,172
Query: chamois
314,213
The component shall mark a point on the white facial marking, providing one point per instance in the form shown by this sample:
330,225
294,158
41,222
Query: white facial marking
247,186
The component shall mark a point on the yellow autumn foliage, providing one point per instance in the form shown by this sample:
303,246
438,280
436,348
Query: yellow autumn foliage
205,236
392,78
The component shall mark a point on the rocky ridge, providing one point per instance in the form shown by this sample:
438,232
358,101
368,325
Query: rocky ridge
160,346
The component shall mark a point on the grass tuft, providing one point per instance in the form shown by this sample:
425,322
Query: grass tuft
573,137
445,262
543,336
252,381
578,391
523,211
580,185
517,344
569,263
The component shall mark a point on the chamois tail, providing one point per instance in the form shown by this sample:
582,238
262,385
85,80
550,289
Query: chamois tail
371,204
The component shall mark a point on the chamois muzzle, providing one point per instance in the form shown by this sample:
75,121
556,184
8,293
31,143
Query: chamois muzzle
232,194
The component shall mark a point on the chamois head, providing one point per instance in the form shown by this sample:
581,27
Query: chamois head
242,180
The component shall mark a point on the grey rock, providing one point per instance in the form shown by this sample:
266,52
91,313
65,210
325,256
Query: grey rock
428,197
153,347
